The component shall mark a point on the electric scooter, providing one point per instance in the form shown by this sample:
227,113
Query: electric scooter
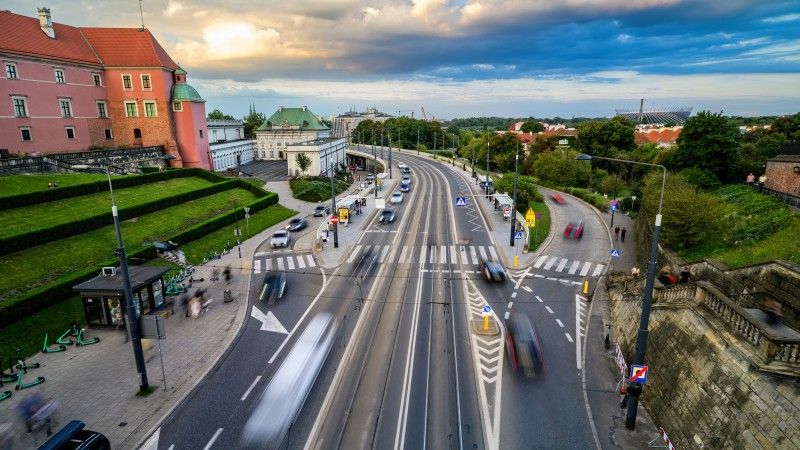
48,349
80,341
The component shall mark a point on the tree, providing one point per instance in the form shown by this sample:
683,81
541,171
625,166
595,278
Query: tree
542,144
526,189
709,141
561,169
605,137
531,127
303,162
789,126
252,122
219,115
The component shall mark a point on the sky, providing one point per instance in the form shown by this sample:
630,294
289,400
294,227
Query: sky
470,58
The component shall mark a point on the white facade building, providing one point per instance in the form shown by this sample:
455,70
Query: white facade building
285,127
221,130
343,124
231,154
324,154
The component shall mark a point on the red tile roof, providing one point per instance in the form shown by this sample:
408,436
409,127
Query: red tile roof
665,135
128,47
22,35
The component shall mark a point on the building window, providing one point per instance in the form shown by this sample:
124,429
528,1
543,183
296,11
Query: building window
107,132
146,82
70,132
137,133
97,80
150,109
131,110
127,84
59,76
177,106
201,133
20,106
11,70
25,132
66,107
101,110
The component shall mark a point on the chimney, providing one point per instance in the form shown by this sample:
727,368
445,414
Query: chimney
45,23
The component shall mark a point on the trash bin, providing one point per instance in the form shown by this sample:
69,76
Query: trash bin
227,296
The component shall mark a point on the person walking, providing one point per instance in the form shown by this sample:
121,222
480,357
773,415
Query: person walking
616,233
622,234
227,274
751,179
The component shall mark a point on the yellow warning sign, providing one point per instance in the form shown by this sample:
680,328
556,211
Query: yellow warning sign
530,218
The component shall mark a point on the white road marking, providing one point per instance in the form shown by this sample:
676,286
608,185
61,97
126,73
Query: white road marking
152,442
540,299
508,313
574,267
297,325
494,254
540,261
247,392
268,265
280,264
464,255
578,357
483,252
558,321
301,263
473,254
422,255
268,321
562,264
585,269
510,305
598,269
257,266
383,253
569,337
290,262
538,276
310,260
353,255
527,289
260,254
403,254
453,255
548,309
433,255
213,438
171,447
391,255
443,254
550,263
513,295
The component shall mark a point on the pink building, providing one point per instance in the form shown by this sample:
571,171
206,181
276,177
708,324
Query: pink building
73,89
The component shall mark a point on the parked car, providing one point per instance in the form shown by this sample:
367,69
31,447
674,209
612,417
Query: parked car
280,239
321,210
405,187
558,198
273,288
387,215
297,224
523,346
574,230
491,270
397,197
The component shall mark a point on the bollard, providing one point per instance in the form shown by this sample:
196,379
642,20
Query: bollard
516,260
486,323
227,296
586,287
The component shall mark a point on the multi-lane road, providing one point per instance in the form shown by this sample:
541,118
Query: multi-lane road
406,369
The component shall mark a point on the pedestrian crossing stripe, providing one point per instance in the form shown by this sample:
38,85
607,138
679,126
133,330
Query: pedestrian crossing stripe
281,263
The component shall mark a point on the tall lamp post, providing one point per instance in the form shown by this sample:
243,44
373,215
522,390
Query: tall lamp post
333,204
635,389
514,203
486,179
134,327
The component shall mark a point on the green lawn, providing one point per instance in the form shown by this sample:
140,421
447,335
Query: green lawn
539,233
44,263
29,218
28,334
23,184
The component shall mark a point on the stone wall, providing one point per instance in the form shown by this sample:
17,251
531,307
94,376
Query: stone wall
706,387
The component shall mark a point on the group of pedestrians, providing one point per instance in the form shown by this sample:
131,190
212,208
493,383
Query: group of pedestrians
619,233
195,305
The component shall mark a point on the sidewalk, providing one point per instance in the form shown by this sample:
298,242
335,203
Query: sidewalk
98,383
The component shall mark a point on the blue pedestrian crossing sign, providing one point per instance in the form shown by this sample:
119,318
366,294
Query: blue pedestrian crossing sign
638,374
615,253
461,201
518,235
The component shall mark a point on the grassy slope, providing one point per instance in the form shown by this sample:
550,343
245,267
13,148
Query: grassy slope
542,229
40,264
23,184
34,217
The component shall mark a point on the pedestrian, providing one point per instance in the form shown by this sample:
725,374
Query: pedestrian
762,179
622,234
685,275
171,305
194,307
227,274
214,275
616,233
50,185
774,311
185,304
635,271
751,179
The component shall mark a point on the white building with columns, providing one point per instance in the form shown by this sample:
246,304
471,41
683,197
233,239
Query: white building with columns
285,127
323,153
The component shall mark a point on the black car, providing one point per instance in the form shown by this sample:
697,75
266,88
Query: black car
405,187
297,224
523,346
321,211
74,436
492,270
387,215
273,288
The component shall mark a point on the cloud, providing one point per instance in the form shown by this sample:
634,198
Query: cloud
783,18
172,8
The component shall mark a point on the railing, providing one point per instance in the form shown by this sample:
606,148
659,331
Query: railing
65,161
789,199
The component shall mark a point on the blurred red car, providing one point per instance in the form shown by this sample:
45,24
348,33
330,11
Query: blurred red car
558,198
574,230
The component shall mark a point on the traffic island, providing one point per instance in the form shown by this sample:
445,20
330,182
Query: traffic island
485,329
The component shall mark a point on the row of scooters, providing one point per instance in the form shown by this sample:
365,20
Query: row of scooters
22,367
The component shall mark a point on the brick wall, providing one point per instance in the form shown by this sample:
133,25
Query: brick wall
701,389
782,178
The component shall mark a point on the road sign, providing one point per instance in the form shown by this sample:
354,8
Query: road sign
487,310
334,219
461,201
615,253
530,218
638,374
518,235
246,209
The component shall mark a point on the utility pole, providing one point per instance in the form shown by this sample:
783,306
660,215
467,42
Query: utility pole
514,203
486,180
333,204
417,141
374,164
473,162
389,136
238,230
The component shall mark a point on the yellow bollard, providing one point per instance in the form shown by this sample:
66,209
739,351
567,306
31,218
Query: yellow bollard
486,323
516,260
586,287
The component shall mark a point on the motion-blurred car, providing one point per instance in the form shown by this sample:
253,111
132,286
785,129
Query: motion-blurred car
321,210
574,230
387,215
273,288
492,270
407,179
370,177
558,198
280,239
297,224
405,187
397,197
523,346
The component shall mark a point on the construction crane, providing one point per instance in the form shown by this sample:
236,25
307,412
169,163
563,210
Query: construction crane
425,116
401,111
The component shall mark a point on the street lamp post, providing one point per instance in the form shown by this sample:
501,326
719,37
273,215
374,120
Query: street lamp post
514,203
417,141
333,205
486,179
473,161
238,231
389,138
635,389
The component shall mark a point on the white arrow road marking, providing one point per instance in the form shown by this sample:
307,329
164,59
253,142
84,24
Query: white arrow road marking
268,321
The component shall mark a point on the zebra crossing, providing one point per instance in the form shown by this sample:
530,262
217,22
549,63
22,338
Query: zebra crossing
564,265
435,254
266,262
